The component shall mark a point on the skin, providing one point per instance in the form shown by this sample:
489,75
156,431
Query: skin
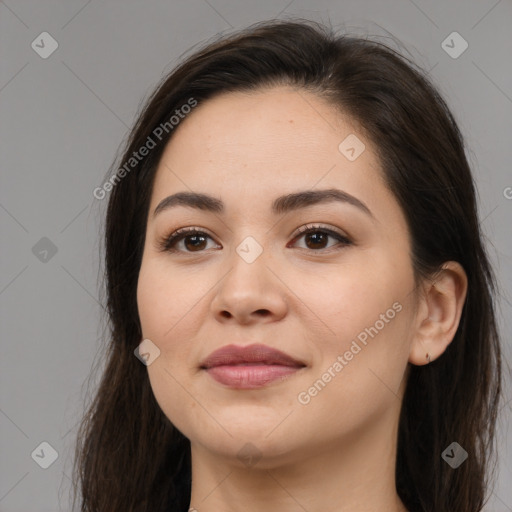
337,452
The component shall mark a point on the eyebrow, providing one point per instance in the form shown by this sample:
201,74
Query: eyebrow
282,204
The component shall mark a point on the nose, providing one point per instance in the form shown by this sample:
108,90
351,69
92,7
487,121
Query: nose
250,292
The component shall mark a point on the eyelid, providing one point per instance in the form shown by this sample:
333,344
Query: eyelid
342,238
312,226
164,244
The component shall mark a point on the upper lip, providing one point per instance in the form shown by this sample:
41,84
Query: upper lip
257,353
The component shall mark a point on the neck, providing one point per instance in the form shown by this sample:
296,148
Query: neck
356,475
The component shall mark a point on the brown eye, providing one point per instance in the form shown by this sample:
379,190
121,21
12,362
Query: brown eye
317,238
192,240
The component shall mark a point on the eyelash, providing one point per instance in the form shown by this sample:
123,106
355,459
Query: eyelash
166,244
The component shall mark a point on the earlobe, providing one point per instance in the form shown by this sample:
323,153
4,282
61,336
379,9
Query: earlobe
439,315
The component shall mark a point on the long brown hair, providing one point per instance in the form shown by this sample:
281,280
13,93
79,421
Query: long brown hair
129,457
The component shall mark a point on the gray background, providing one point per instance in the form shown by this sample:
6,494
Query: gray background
62,120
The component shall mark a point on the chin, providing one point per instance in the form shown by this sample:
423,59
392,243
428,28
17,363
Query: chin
253,452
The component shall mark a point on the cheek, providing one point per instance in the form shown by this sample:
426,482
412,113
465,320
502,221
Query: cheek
350,299
163,304
367,307
359,375
171,305
163,299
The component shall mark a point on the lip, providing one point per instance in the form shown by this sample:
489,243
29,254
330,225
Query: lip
249,367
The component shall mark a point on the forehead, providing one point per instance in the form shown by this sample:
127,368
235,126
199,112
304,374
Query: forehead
276,117
263,141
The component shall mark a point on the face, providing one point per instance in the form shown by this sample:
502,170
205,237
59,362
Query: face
337,300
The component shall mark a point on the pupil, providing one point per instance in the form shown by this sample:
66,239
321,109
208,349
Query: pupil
196,238
316,235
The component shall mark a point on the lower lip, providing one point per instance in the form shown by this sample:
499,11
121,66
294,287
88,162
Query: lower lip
250,376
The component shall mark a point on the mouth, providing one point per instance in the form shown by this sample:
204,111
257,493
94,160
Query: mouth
249,367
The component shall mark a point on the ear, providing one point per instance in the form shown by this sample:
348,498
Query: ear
438,313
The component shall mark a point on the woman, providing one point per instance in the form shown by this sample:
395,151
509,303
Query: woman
300,302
